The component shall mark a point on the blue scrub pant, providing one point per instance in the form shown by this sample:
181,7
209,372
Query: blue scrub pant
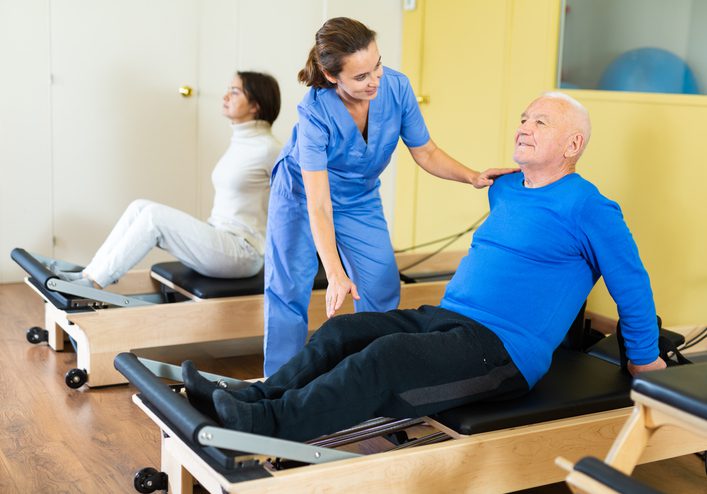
291,264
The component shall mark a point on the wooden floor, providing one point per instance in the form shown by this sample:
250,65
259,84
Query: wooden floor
54,439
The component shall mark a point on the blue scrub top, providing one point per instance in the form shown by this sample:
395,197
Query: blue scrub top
326,138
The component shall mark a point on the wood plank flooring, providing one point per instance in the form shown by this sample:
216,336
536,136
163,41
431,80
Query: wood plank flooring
57,440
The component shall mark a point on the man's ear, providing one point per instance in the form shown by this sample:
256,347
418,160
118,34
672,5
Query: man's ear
574,147
328,76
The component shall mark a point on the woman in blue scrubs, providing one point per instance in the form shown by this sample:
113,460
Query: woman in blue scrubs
325,186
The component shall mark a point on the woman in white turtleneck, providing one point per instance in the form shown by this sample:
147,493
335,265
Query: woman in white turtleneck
231,243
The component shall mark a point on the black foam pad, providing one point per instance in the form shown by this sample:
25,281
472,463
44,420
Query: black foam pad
32,266
206,287
576,384
610,477
180,413
39,275
683,387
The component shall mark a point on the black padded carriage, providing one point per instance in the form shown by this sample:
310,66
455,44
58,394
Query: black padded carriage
576,384
203,287
683,387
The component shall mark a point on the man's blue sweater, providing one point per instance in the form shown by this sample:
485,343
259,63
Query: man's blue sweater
534,261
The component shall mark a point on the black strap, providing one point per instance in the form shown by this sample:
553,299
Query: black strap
670,353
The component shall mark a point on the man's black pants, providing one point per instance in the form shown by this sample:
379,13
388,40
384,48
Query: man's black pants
402,363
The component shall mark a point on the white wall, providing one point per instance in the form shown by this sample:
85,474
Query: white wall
240,32
25,131
268,35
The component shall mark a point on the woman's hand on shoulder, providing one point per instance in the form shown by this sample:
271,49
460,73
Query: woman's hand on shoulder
486,177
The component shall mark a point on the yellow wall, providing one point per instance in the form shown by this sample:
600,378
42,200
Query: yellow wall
480,62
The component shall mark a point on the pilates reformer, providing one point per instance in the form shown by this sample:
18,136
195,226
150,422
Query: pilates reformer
172,305
675,397
575,410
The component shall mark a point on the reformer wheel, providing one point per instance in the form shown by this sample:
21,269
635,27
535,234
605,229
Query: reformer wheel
36,335
149,480
75,378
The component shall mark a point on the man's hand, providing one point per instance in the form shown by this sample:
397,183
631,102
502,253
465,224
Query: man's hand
657,364
485,178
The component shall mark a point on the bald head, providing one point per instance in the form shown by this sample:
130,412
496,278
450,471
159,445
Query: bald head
552,135
576,116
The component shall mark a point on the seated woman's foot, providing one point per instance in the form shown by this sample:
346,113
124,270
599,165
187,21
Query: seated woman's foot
199,389
78,279
56,265
71,276
232,413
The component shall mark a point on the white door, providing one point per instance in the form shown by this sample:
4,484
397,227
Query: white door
121,130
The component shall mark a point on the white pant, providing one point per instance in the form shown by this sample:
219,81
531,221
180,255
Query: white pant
146,224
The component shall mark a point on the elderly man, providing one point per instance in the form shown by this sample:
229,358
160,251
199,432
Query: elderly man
549,237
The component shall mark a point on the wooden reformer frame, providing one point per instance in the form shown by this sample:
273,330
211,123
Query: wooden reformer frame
648,418
101,334
497,461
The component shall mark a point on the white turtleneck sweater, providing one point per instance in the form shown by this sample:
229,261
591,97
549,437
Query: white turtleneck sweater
241,182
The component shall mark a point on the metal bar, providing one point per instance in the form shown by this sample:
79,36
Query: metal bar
436,437
111,298
370,433
174,372
364,425
269,446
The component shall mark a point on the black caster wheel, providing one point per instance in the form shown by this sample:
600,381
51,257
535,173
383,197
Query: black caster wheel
36,335
75,378
149,480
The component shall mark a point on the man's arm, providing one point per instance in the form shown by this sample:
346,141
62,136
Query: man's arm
611,250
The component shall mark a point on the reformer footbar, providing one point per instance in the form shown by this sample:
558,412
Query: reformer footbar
71,296
191,423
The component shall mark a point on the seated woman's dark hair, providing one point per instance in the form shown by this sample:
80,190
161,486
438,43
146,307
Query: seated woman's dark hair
263,90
